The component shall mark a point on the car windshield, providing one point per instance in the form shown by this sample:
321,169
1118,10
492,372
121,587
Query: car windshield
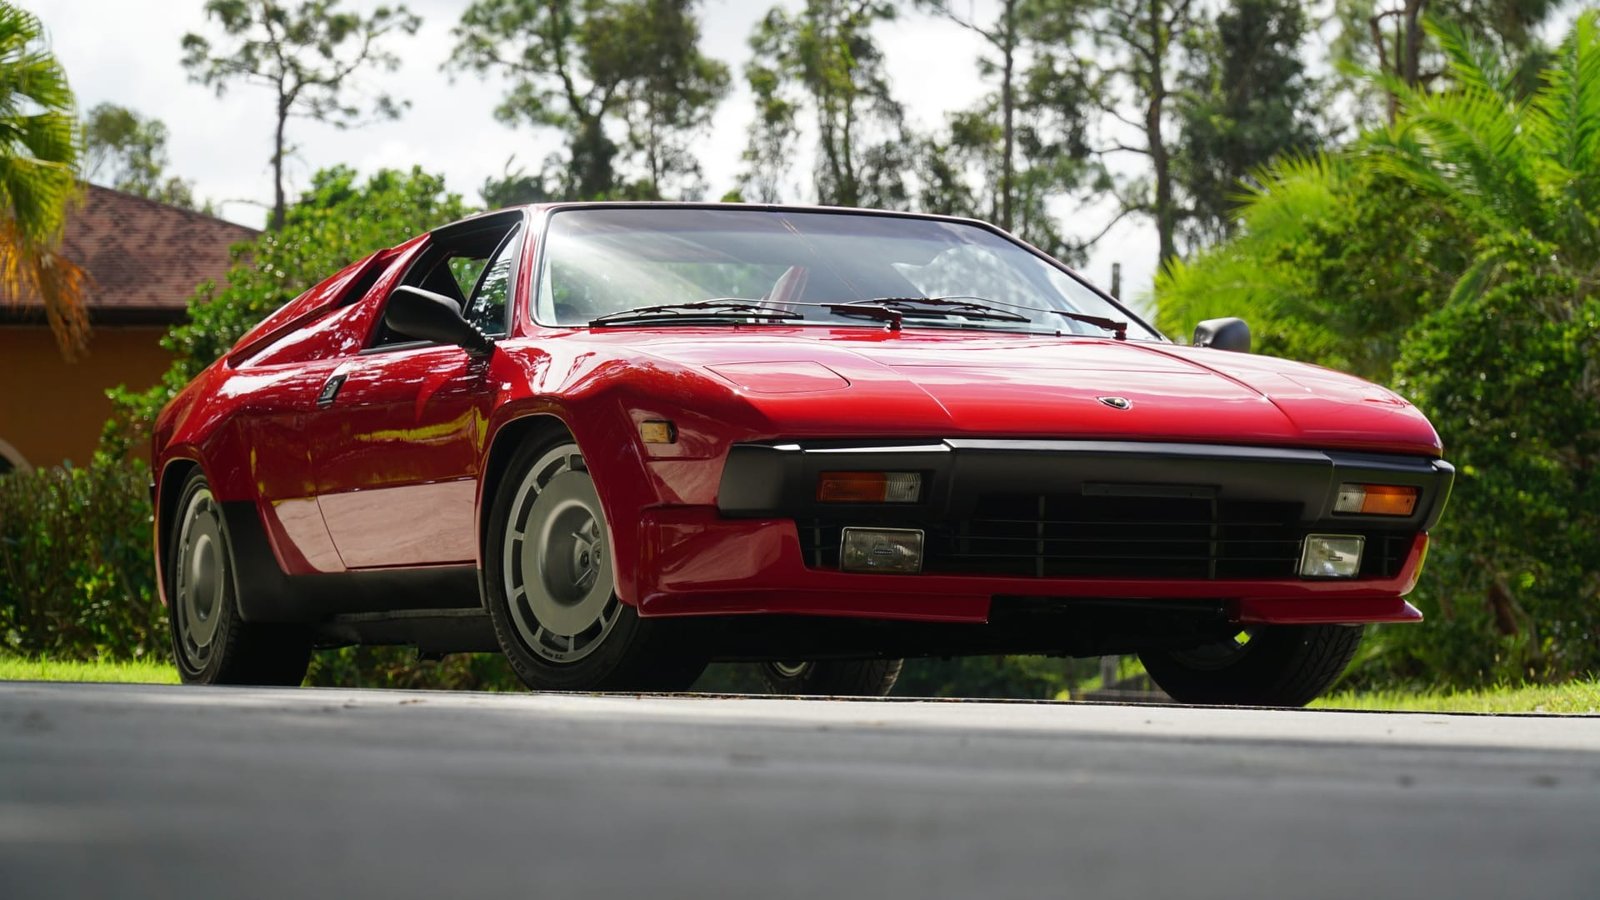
618,264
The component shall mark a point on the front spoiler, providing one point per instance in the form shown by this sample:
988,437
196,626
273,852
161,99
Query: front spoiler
697,562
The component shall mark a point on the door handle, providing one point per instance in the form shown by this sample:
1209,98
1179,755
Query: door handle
330,391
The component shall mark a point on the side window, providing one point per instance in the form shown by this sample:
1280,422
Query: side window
487,308
471,264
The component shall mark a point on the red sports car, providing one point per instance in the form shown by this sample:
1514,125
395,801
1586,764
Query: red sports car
617,441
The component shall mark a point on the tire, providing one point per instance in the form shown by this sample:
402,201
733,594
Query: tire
211,643
548,573
833,677
1277,665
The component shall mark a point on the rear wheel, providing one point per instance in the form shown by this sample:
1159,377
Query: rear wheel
1269,665
211,644
552,597
833,677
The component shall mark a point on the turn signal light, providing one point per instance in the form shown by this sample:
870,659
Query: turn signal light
656,431
869,487
1377,499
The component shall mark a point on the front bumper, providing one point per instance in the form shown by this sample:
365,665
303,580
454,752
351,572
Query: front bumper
1026,518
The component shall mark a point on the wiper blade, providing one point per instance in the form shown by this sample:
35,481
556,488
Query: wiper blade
979,307
1115,326
938,307
718,309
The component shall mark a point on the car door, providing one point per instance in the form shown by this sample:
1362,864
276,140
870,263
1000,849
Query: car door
397,436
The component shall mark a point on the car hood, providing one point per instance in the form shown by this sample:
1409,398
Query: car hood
946,383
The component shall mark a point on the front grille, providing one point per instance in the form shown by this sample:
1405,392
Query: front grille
1064,536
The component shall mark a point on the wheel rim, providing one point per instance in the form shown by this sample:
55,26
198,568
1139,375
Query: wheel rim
556,566
1218,654
202,574
790,669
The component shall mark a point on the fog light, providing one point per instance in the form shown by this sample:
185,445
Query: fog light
1331,556
897,550
1376,499
869,487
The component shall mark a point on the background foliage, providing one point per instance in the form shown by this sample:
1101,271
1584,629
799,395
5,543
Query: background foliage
1455,254
76,579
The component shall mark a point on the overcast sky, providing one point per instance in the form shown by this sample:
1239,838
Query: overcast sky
127,52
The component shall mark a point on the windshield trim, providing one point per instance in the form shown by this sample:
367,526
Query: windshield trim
551,210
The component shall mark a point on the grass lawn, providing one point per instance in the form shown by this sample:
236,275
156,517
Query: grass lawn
16,669
1574,697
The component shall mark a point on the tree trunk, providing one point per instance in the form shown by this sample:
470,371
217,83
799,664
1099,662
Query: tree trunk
1166,213
279,204
1411,59
1008,37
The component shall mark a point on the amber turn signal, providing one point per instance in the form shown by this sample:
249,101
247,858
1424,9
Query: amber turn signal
869,487
658,432
1377,499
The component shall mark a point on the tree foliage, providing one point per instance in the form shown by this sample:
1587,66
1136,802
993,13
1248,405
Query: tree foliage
1389,38
1024,148
126,151
38,162
1244,103
822,63
306,55
623,80
1456,254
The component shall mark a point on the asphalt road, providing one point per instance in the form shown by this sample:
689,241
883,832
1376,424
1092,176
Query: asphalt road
124,791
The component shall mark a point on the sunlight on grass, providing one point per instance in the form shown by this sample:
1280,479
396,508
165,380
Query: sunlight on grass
16,669
1575,697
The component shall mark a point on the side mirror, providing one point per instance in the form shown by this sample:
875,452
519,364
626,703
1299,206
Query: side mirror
427,316
1223,334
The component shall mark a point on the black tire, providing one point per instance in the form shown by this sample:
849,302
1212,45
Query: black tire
211,643
1278,665
833,677
550,593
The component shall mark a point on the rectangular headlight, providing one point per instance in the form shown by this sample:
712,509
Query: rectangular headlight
894,550
1331,556
1377,499
869,487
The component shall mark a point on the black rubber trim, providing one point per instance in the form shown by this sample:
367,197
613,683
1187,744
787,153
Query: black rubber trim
267,594
763,480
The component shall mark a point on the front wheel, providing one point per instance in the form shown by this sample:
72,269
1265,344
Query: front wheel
1268,665
552,597
833,677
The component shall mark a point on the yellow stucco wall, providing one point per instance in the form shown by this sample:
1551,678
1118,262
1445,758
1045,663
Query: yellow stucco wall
52,410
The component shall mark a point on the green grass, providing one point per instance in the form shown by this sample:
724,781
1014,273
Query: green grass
17,669
1573,697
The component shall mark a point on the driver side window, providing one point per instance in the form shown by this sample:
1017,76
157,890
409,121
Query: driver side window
487,308
471,264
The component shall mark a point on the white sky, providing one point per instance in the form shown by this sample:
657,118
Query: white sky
127,52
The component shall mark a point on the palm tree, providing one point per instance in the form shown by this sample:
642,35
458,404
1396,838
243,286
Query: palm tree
38,178
1522,171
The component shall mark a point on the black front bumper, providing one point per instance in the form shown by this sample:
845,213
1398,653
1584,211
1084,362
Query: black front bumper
1093,508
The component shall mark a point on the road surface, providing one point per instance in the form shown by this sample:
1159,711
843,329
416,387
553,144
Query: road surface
144,791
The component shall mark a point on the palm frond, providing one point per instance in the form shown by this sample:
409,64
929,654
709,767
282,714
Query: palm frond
38,177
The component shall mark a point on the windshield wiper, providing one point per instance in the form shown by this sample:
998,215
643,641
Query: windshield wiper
1115,326
720,309
894,309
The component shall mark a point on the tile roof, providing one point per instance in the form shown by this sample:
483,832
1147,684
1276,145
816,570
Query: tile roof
144,257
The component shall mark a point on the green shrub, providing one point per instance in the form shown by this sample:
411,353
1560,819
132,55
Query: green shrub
76,576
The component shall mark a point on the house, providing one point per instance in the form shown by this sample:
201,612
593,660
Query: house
144,260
